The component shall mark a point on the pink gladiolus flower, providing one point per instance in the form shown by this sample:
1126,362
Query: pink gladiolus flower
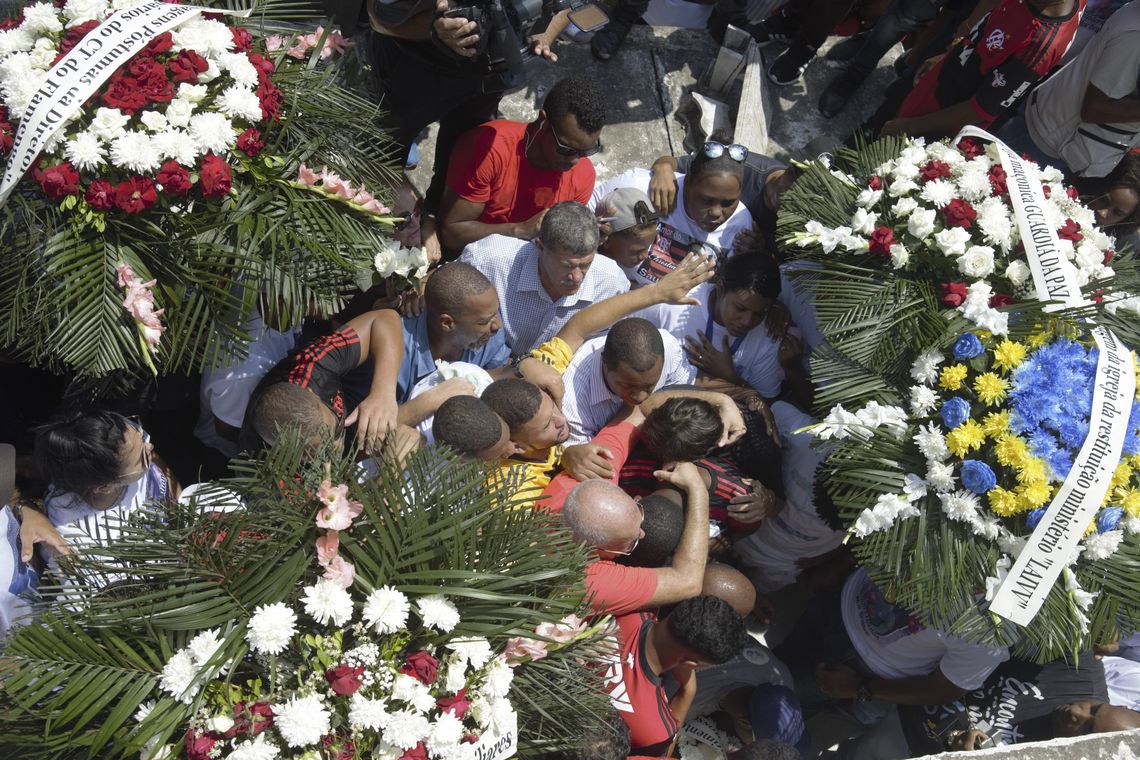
334,43
152,334
327,547
307,176
562,631
376,207
363,196
298,51
274,42
331,495
520,648
339,513
340,572
331,180
126,275
346,191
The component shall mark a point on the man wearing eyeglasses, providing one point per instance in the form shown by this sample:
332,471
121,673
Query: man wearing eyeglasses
504,175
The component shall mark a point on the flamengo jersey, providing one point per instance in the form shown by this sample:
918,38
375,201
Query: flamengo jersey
637,692
1001,58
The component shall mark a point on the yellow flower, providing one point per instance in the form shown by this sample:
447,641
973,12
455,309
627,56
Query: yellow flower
1129,498
1008,354
996,424
1091,529
1012,451
1032,470
952,377
1037,340
990,388
1034,494
1134,460
965,438
1003,503
1121,476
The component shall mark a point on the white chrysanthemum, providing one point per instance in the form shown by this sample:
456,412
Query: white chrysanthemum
995,223
256,749
212,132
239,68
406,728
1089,256
240,102
932,443
16,41
79,11
437,612
366,714
939,192
868,198
503,718
204,646
85,152
974,186
475,652
499,676
386,610
977,261
1102,545
177,145
1017,273
302,721
410,691
960,505
446,732
271,627
328,601
922,400
921,223
206,37
925,367
42,17
135,152
952,240
1131,524
178,112
109,124
900,256
178,676
16,67
153,121
863,221
904,207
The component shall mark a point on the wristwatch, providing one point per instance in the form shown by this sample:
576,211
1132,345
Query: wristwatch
863,690
514,365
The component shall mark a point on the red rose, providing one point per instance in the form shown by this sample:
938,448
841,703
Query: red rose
1000,299
58,181
263,65
1072,192
421,666
73,35
952,294
1108,256
970,147
250,719
270,98
215,176
935,170
135,195
882,239
958,213
100,195
124,93
250,142
187,66
875,183
458,704
159,45
1071,230
7,136
174,178
243,40
345,679
998,180
418,752
198,746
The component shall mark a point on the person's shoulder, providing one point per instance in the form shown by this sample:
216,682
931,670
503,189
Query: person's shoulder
493,248
610,271
672,345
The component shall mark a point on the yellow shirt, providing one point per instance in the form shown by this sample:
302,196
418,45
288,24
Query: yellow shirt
534,475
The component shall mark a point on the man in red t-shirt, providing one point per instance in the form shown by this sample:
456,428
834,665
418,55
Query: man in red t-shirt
503,175
984,74
698,632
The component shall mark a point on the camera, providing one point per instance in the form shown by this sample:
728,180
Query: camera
503,27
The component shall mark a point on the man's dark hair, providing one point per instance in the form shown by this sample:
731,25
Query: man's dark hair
755,272
767,749
709,628
606,740
78,451
634,342
284,405
580,96
451,285
756,454
682,429
467,425
516,401
663,523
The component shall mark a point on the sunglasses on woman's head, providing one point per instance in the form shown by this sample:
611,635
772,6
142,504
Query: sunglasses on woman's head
736,151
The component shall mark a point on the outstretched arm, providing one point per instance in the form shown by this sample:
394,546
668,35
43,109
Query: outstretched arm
381,340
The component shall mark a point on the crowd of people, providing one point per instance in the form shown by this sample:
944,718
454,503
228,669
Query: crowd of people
632,355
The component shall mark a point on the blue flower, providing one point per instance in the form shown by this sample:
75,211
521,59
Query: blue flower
955,411
967,346
1034,517
977,476
1108,518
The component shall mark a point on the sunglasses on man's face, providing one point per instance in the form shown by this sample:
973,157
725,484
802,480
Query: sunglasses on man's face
567,150
736,151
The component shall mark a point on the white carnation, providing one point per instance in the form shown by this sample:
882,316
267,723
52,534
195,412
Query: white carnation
179,111
302,721
925,367
178,676
175,144
41,17
43,54
499,676
904,207
863,221
938,192
124,5
446,732
135,152
79,11
212,132
255,749
406,728
16,41
1102,545
239,102
952,241
206,37
109,124
327,601
386,610
237,65
915,151
978,261
153,120
922,400
366,714
921,223
271,627
204,646
85,152
410,691
437,612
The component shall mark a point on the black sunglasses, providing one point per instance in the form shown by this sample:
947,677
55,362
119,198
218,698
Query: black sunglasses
736,151
566,150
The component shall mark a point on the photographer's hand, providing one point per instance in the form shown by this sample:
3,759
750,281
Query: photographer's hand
457,33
